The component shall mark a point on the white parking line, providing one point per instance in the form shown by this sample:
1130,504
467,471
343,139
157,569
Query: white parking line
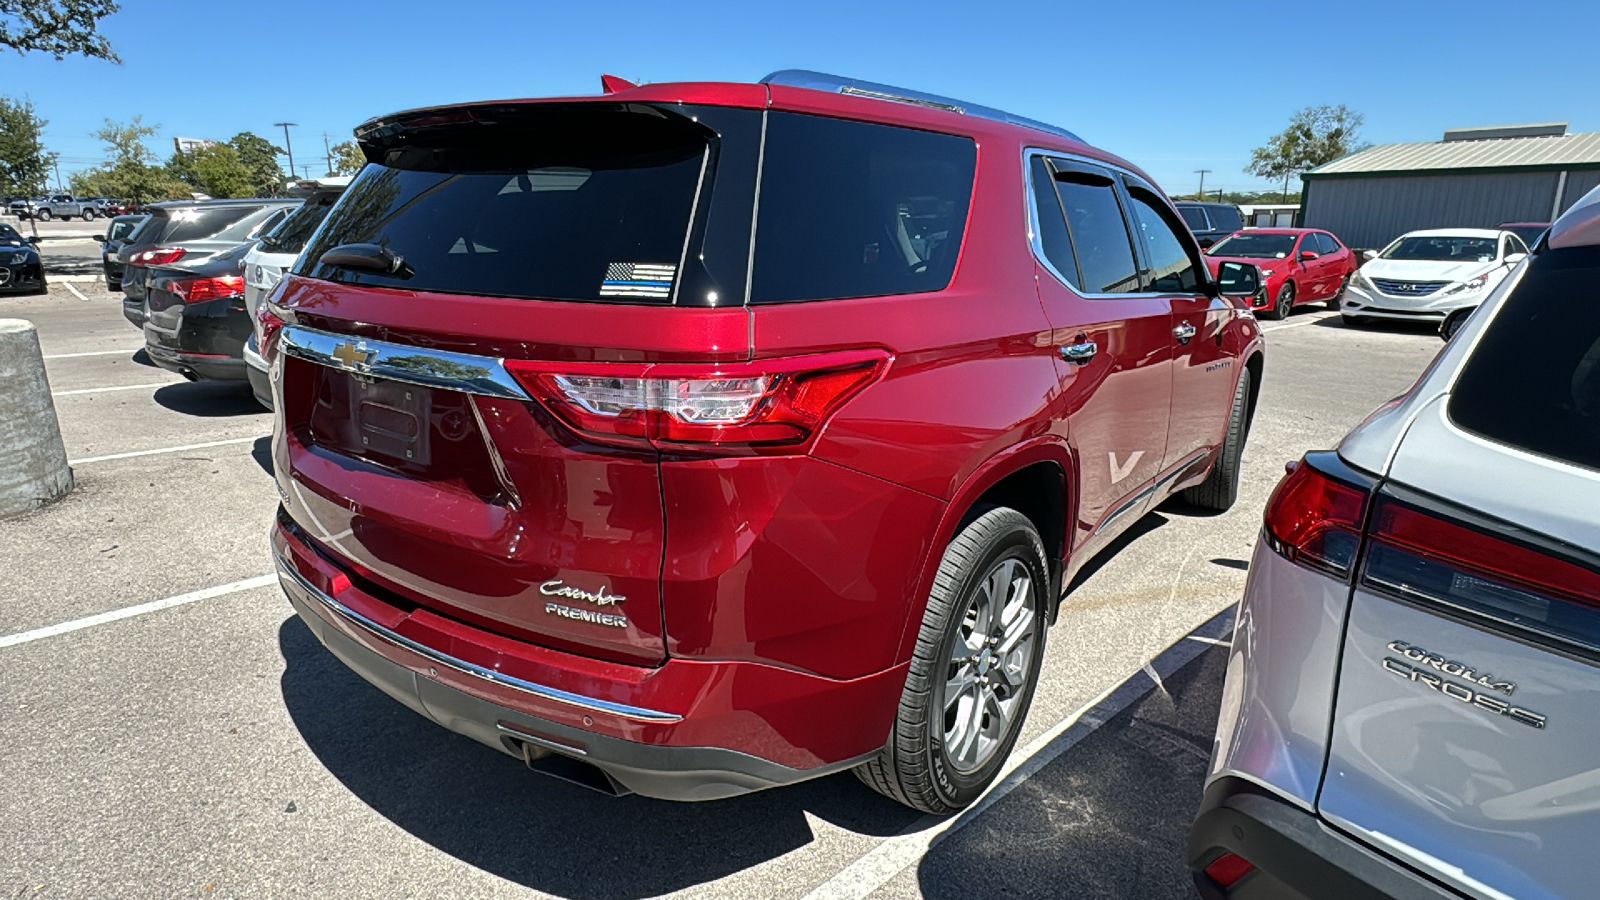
124,387
75,292
1210,640
1309,320
887,860
129,352
128,612
160,450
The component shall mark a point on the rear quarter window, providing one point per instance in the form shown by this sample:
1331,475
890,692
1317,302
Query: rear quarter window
1533,380
1195,218
854,209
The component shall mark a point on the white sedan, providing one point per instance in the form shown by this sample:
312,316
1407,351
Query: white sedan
1426,275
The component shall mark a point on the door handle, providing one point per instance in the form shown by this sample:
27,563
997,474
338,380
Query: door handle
1080,353
1184,333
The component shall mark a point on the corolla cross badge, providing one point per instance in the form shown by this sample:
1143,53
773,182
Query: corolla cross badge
353,355
556,588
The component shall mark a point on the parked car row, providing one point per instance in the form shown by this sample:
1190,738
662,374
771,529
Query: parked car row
66,206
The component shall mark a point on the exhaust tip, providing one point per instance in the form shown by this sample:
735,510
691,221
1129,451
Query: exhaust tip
559,760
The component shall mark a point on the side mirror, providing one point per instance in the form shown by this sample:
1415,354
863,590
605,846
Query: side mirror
1206,243
1308,255
99,239
1514,258
1238,279
32,239
1369,254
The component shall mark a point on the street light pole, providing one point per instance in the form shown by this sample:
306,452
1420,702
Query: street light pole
1202,173
289,147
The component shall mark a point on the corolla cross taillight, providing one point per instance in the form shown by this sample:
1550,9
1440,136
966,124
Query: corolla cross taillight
157,256
1315,519
767,406
268,325
199,290
1421,555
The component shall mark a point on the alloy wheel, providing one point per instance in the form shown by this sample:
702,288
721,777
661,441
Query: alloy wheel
990,659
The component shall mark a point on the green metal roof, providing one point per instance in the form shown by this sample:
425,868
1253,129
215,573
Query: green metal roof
1566,151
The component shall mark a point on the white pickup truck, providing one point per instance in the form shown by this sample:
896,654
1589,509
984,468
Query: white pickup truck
62,206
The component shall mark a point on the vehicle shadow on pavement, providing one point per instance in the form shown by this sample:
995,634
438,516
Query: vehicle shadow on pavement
487,810
1147,523
261,452
210,400
1109,818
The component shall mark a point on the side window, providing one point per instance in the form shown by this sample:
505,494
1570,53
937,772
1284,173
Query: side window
1328,244
855,209
1099,233
1172,269
1054,242
1195,218
1227,218
1514,244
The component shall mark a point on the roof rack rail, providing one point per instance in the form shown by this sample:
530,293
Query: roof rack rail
821,81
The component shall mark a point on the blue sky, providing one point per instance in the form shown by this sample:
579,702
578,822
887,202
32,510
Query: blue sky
1173,86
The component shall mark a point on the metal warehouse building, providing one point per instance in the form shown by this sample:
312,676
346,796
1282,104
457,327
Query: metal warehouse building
1474,178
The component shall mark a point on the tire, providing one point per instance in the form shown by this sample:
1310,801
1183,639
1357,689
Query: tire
88,215
1285,302
1221,487
1333,302
925,765
42,215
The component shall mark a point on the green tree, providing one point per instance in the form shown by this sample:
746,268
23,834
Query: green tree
60,28
347,158
221,172
130,170
1316,135
22,158
181,166
260,156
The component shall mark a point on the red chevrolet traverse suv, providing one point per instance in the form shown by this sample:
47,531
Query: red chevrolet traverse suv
694,439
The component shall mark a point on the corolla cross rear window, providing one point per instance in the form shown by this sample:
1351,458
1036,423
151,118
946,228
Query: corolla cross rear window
1533,380
567,205
852,209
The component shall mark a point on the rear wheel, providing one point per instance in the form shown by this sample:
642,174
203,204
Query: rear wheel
43,215
88,215
1221,487
1284,303
974,668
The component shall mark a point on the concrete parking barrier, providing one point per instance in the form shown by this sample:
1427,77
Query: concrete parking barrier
33,461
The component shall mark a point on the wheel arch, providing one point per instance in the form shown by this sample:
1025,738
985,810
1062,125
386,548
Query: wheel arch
1038,479
1253,366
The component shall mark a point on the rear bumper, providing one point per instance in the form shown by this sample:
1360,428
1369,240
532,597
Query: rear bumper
687,730
255,368
26,278
200,367
1295,853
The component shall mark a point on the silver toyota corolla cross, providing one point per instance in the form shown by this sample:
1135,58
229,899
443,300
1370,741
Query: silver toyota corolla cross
1412,705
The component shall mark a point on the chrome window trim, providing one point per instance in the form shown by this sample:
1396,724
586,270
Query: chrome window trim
287,572
1034,241
465,372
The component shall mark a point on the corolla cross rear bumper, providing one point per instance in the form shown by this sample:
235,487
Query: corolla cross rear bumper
585,720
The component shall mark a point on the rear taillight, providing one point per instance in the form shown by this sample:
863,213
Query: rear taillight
767,406
1227,869
157,256
1316,520
268,325
199,290
1422,556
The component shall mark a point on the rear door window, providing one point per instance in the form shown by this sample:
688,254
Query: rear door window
569,204
1547,401
854,209
1099,231
1195,218
1054,242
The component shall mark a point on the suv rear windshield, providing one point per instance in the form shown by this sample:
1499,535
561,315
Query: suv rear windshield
854,209
1194,217
292,233
190,223
1548,401
568,204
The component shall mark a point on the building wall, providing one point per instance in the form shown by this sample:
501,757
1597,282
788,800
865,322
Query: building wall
1369,212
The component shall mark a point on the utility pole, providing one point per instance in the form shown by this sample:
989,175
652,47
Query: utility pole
55,161
1202,173
327,152
286,144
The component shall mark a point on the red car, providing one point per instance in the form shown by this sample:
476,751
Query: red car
1300,265
700,438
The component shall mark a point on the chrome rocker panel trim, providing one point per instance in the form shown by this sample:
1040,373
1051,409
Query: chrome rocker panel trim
498,678
369,358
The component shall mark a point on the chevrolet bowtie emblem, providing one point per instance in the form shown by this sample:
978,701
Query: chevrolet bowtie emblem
354,355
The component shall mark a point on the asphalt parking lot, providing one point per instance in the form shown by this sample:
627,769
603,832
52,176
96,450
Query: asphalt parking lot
171,729
67,247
